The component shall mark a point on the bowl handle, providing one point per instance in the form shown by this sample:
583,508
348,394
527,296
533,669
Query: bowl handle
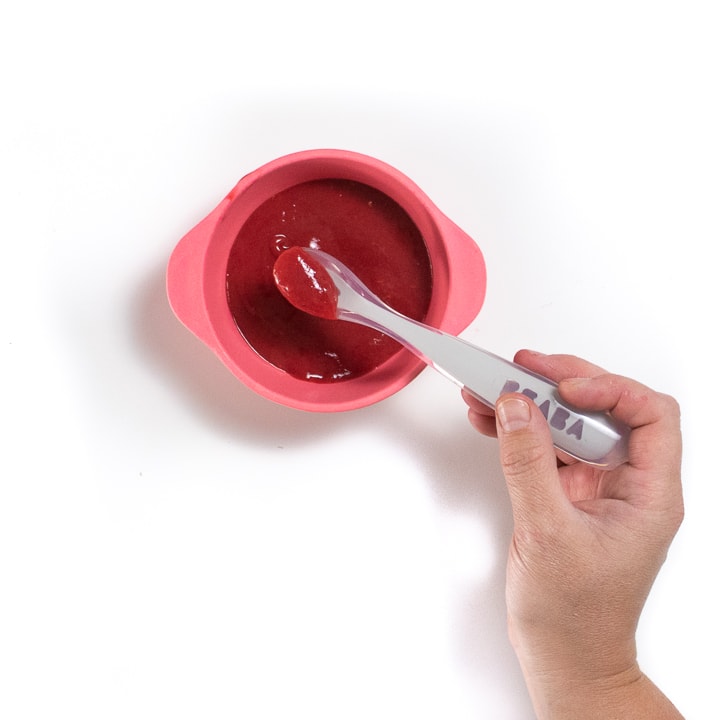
467,277
184,278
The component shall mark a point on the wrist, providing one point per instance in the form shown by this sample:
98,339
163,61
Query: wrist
576,652
567,687
572,694
629,696
571,679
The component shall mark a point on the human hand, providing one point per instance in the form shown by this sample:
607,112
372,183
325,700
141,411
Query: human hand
587,543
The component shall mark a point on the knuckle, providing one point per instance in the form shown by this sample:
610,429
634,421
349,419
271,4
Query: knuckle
677,516
521,458
671,406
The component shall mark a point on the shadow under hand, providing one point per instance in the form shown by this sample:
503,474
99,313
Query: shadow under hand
464,472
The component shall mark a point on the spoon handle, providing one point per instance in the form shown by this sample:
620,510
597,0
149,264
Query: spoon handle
592,437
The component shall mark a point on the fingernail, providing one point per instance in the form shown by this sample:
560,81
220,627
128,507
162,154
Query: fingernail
513,413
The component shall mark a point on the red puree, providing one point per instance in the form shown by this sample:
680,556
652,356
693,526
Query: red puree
363,228
305,283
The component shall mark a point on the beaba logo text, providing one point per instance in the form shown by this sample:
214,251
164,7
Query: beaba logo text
559,417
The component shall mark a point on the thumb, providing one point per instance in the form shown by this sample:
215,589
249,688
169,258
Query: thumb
528,460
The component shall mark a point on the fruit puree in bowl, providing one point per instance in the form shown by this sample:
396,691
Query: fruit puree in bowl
365,213
357,224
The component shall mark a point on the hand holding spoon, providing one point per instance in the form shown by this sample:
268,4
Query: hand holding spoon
319,284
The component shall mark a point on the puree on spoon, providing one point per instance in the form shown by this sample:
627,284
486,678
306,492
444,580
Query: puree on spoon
363,228
306,284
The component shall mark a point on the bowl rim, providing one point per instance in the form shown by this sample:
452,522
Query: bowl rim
213,243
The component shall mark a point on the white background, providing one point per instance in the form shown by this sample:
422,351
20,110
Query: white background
174,546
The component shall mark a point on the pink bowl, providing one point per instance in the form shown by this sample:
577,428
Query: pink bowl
196,278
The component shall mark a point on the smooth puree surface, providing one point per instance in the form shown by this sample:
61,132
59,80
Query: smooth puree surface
363,228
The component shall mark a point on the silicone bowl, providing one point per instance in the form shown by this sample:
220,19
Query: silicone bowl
196,279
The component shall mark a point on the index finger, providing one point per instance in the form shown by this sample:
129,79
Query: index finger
557,367
653,417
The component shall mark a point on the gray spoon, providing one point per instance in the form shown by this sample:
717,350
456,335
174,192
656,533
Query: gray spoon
321,285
